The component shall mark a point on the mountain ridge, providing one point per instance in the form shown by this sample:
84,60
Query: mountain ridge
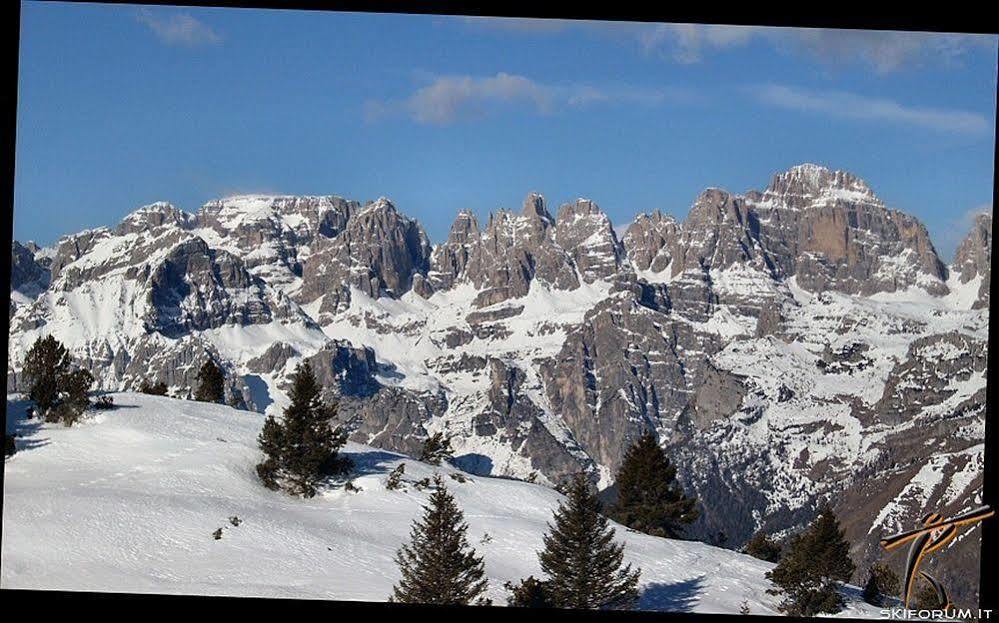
775,340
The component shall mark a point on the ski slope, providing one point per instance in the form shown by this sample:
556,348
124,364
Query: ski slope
128,501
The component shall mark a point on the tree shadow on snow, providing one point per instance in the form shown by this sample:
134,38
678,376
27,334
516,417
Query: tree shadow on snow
474,463
372,462
23,428
678,597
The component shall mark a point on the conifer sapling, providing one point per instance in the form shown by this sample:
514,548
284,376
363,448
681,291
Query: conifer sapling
438,565
584,565
649,499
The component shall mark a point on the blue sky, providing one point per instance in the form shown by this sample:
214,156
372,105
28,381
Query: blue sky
120,106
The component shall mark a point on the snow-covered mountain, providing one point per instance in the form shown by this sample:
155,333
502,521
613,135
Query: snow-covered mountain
128,501
792,344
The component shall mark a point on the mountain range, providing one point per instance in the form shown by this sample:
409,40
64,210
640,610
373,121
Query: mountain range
791,345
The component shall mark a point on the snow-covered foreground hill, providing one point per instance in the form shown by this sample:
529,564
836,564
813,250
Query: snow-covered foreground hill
128,501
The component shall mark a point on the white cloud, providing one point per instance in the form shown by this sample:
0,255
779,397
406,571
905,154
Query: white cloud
178,28
846,105
447,99
882,51
686,43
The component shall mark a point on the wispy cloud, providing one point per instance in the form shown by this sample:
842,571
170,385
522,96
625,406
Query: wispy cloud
845,105
687,43
954,231
178,28
447,99
882,51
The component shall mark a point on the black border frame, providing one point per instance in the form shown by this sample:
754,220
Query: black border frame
913,18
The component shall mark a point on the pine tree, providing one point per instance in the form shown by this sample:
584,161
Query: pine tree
649,499
529,593
581,559
302,448
812,566
763,547
76,385
211,383
438,565
44,365
436,448
881,583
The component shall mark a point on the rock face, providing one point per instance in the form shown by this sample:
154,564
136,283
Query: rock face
973,259
832,232
651,240
26,273
196,287
515,250
379,252
747,337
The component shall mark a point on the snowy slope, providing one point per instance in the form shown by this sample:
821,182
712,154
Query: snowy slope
128,501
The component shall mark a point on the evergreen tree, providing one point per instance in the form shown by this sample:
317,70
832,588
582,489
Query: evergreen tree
44,365
529,593
302,448
76,385
438,565
812,566
436,448
763,547
881,583
211,383
583,563
649,499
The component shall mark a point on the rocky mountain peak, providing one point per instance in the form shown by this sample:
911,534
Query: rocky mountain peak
464,228
534,208
811,181
26,274
379,252
155,215
381,204
587,235
974,257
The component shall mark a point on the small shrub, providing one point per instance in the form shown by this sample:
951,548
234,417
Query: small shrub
211,383
217,535
881,583
235,521
394,480
529,593
350,486
155,389
436,448
104,403
763,547
459,477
